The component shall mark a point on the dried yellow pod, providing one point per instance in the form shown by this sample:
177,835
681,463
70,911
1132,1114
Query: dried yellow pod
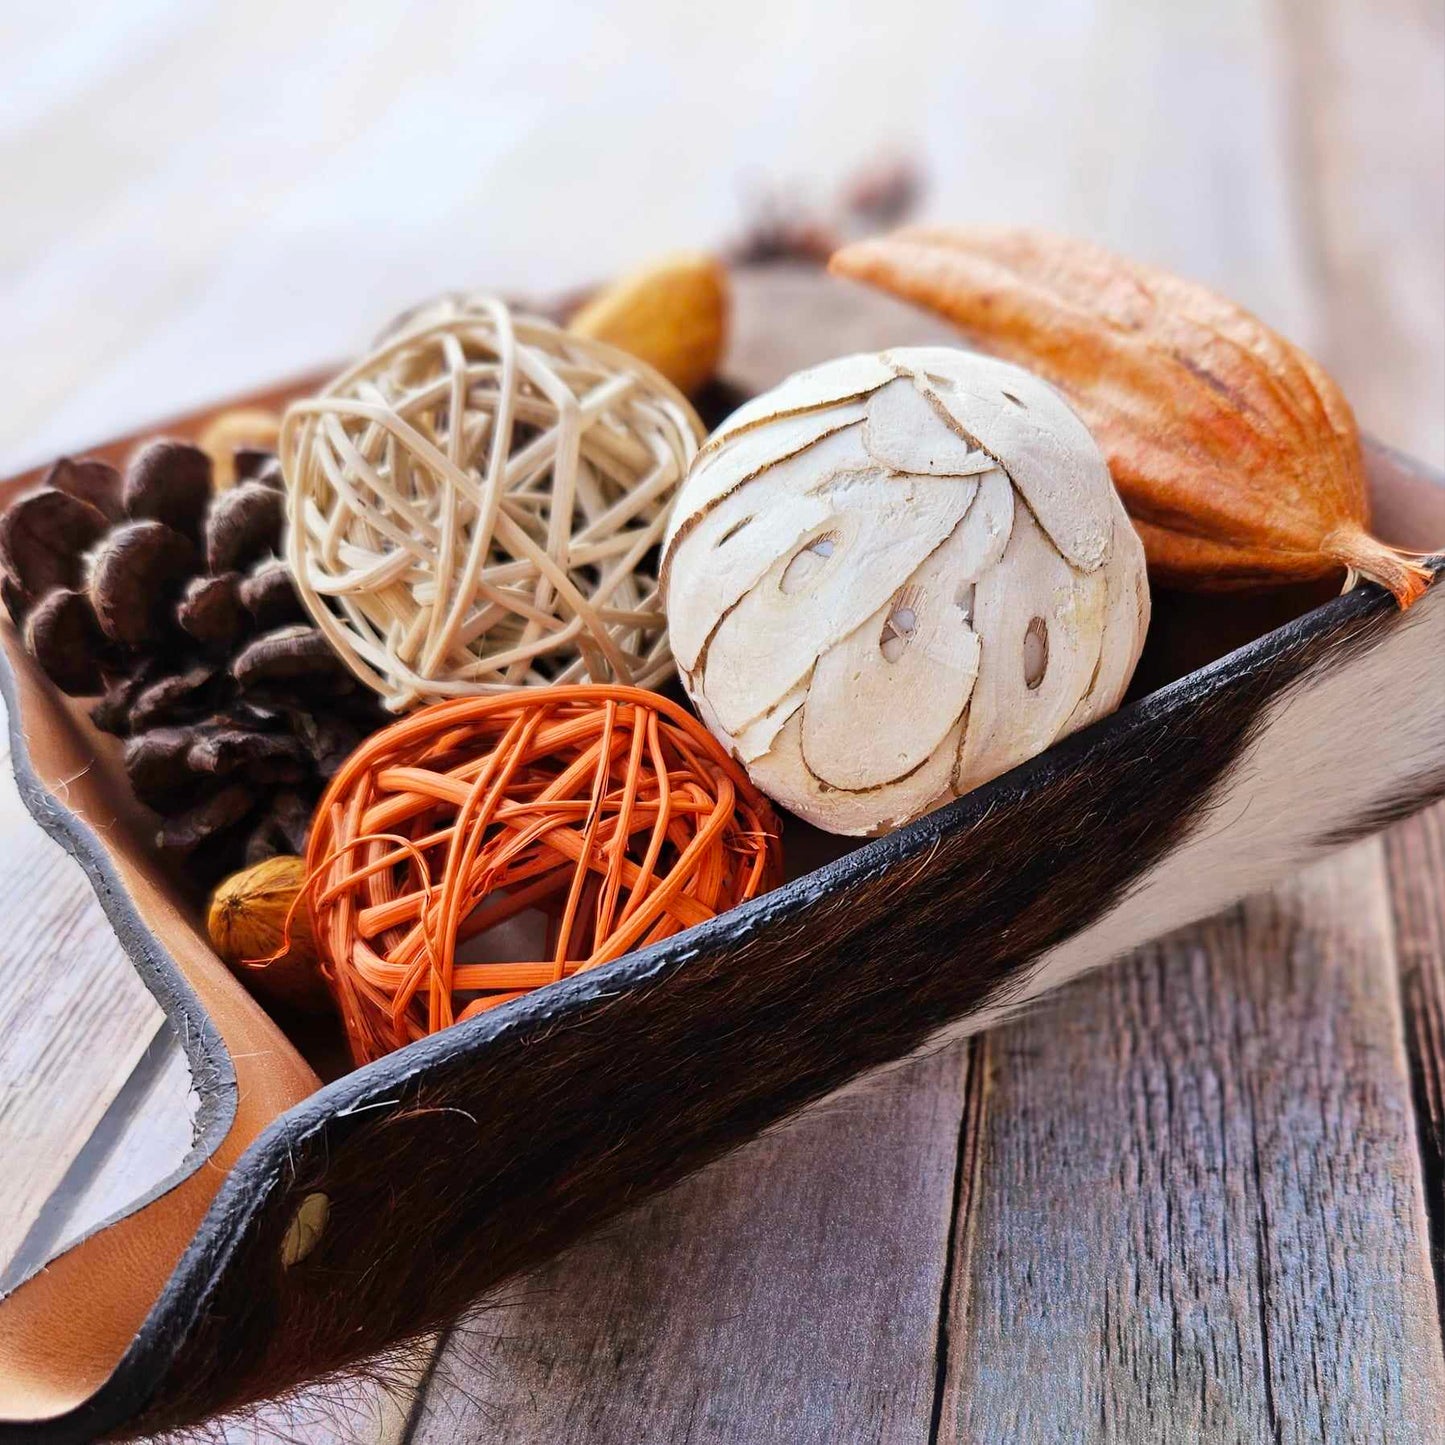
1237,456
247,924
245,426
672,314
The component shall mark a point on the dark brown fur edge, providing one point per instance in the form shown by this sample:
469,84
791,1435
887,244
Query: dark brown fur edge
478,1153
1420,793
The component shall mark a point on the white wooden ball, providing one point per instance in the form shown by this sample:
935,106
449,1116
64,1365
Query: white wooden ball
894,577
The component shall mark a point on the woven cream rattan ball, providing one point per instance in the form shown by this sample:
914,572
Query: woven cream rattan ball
477,504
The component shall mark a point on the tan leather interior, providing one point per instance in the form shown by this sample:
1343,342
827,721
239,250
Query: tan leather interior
63,1331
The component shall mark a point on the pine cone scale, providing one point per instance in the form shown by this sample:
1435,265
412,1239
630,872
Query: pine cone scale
170,604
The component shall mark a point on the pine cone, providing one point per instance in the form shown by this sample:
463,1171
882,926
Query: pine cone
170,602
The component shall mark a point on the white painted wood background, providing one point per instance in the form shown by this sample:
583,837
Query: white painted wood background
196,197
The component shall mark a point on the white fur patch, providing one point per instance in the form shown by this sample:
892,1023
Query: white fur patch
1357,731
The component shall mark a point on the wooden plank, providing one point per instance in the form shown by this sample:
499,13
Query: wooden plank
145,1129
787,1293
1242,235
74,1017
1189,203
142,1139
1416,854
1199,1212
1366,77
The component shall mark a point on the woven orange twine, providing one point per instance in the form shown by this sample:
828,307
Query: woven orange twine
599,818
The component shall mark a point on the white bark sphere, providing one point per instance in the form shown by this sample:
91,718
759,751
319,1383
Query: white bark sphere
896,576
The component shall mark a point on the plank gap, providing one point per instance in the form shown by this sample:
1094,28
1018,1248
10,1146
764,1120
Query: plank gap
965,1192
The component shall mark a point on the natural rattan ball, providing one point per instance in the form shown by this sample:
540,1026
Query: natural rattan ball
476,506
481,848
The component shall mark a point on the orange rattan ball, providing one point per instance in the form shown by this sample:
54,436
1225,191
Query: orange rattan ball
585,821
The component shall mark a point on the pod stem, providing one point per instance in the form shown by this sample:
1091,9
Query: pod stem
1372,558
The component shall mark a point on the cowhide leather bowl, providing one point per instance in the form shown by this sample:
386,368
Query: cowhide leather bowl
1260,733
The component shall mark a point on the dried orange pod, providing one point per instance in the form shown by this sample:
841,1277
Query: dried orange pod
1236,455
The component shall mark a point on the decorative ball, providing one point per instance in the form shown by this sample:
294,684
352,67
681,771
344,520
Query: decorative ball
476,506
896,576
481,848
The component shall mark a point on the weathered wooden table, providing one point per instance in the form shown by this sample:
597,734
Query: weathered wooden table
1200,1196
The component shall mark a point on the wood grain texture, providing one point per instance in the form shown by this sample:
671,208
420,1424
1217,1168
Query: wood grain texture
787,1294
1199,1214
1187,1239
74,1017
144,1143
1371,179
1416,854
148,269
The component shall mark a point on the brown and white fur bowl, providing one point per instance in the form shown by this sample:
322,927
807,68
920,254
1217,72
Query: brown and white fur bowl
1303,722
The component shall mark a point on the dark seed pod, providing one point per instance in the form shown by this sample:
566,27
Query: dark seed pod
244,525
43,536
288,653
174,698
248,715
233,708
318,692
62,635
270,475
210,610
278,772
134,578
89,480
221,855
269,595
112,713
169,481
362,708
